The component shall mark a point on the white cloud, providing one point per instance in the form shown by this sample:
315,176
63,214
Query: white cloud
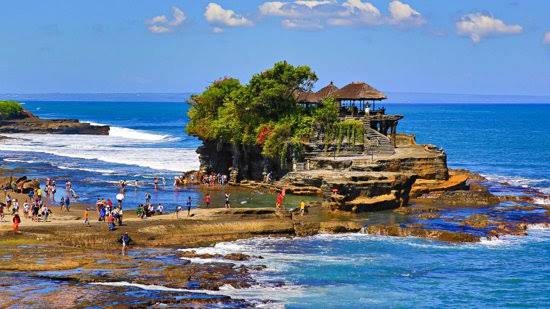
301,24
311,3
157,19
403,14
159,29
161,23
216,14
179,17
546,39
316,14
356,12
477,26
217,30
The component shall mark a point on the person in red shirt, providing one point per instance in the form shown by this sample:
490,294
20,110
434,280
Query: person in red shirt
207,199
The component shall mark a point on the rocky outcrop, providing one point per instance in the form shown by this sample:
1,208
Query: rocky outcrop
467,198
355,191
457,181
418,231
29,123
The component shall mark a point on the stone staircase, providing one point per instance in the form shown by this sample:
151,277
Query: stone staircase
377,143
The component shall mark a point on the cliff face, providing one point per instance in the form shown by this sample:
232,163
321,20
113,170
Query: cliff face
28,123
219,157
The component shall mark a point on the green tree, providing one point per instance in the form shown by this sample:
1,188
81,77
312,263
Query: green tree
10,109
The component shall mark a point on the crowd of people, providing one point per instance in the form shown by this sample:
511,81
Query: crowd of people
40,200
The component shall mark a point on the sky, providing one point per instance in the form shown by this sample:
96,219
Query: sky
169,46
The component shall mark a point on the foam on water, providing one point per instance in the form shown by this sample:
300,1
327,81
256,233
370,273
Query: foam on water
107,149
519,181
255,294
128,133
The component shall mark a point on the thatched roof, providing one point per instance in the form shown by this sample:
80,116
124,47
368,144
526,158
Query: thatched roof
326,91
358,91
307,97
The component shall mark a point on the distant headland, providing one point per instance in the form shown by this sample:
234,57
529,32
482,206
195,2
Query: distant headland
15,119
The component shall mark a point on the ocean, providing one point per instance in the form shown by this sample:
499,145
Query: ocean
506,143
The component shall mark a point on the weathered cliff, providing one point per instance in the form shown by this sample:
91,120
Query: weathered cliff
220,157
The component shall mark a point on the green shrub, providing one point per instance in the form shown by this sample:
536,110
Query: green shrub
10,109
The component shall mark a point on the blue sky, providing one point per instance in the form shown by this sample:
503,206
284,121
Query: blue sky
459,46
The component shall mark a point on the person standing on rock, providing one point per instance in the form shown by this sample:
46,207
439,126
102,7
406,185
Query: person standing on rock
87,217
207,199
156,182
227,204
189,202
125,240
16,221
302,207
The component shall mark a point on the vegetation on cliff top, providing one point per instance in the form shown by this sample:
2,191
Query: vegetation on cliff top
263,112
10,109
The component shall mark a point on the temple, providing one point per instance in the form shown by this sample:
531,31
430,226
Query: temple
356,101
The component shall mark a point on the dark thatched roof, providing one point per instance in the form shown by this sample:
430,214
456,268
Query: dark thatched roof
358,91
326,91
307,97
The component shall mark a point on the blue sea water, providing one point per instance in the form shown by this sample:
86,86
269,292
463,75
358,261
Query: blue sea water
503,142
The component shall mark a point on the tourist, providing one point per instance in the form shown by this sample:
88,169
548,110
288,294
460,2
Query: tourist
15,207
102,214
31,194
125,240
140,211
2,205
54,190
189,201
86,217
62,203
8,202
39,193
68,204
122,186
160,209
150,210
147,198
45,212
207,199
68,186
26,209
302,207
120,198
35,210
156,183
118,215
98,207
279,201
16,221
227,204
111,222
178,210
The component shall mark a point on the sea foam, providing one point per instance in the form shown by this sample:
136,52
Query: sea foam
111,149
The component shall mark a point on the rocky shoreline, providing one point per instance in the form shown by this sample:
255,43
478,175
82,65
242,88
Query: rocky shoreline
75,257
26,122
